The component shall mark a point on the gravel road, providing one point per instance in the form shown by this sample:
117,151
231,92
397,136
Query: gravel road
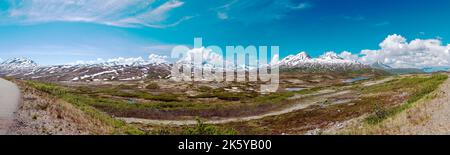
9,103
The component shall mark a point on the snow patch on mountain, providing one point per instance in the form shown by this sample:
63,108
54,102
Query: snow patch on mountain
303,59
18,63
294,60
103,70
122,61
157,59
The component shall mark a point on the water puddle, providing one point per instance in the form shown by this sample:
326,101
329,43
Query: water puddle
356,79
294,89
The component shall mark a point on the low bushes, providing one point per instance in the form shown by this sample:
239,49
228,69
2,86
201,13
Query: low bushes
420,87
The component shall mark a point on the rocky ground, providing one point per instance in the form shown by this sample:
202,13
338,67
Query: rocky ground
41,114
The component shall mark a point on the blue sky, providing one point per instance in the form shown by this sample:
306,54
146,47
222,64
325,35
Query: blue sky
57,31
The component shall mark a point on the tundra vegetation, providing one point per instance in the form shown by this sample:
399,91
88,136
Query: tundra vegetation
165,100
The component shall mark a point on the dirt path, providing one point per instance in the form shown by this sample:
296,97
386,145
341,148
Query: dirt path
371,83
301,105
9,103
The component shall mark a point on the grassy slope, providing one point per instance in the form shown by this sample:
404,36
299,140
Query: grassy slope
420,87
422,91
84,103
81,103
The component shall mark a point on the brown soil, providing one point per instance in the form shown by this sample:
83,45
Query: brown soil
41,114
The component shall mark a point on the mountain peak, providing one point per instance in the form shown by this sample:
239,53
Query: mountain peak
293,60
21,62
330,56
121,61
329,60
380,65
303,56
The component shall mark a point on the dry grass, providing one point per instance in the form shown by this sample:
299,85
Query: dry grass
41,113
80,104
411,120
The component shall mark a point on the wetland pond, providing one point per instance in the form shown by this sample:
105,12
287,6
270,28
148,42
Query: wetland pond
355,79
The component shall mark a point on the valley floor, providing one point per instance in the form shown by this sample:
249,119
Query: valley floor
316,99
407,104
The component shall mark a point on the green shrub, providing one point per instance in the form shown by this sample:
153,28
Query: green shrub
204,89
421,88
83,103
152,86
228,96
205,129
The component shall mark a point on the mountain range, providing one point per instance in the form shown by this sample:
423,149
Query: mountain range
106,71
329,61
123,69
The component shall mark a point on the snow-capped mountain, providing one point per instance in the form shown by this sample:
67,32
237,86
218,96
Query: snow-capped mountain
18,63
330,56
17,66
294,60
328,61
380,65
113,69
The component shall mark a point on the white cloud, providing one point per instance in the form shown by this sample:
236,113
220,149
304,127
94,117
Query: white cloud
271,10
222,11
157,59
207,56
397,52
348,56
222,15
123,13
301,6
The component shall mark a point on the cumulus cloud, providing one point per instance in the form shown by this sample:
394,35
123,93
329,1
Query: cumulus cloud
157,59
207,56
397,52
348,56
123,13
